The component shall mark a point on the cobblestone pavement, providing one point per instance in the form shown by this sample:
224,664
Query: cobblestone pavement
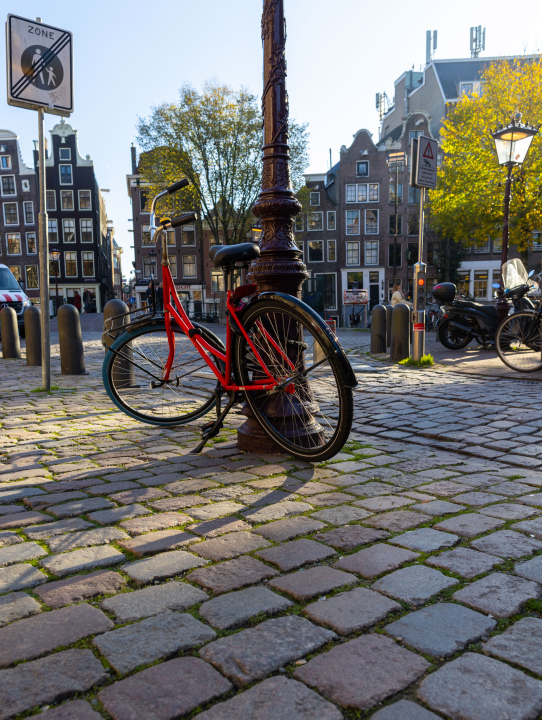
400,581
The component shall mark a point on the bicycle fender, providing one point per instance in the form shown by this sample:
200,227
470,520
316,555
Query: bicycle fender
325,334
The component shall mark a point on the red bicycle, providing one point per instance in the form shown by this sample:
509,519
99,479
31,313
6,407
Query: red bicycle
280,356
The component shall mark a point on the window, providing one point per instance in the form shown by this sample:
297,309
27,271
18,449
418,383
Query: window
354,280
497,244
13,242
362,168
149,266
85,202
316,251
414,195
170,238
300,245
331,250
371,222
64,154
85,227
217,281
414,135
68,230
373,192
66,175
330,290
143,200
189,266
315,221
8,185
53,230
413,223
16,270
314,198
11,214
32,277
480,284
28,210
362,193
399,193
299,223
50,200
352,253
146,235
188,236
412,254
537,243
371,253
31,248
88,264
391,228
482,247
5,162
468,88
66,199
352,222
173,266
398,255
25,185
331,220
351,194
116,261
70,264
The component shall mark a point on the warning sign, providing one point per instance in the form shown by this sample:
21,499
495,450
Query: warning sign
39,66
426,175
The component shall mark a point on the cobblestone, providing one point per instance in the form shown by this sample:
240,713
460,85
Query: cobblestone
19,553
296,553
80,587
15,606
351,611
375,560
464,561
233,610
77,560
499,594
232,575
162,566
520,644
415,584
19,577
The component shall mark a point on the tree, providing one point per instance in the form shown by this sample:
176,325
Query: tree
214,139
468,202
447,255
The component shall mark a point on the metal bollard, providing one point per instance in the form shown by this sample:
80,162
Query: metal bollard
11,347
72,356
389,310
378,329
32,333
400,333
123,367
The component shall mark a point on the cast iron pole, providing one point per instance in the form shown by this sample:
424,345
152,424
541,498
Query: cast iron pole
502,305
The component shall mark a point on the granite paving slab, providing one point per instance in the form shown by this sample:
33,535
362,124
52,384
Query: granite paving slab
29,638
128,497
533,499
40,532
112,487
349,537
9,538
161,521
15,606
88,538
520,644
152,639
75,710
189,487
397,520
341,515
80,587
351,611
468,525
164,692
306,584
254,653
441,630
275,698
383,503
474,687
85,559
233,610
362,672
161,566
507,544
464,561
296,553
375,560
478,499
530,570
232,574
216,510
230,545
425,540
287,508
80,507
48,680
510,511
154,542
115,515
19,577
444,488
288,529
414,584
438,507
498,594
404,710
149,601
22,519
184,502
530,527
19,553
43,501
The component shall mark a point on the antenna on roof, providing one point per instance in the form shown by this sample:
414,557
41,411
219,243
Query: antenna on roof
330,163
477,40
383,104
430,45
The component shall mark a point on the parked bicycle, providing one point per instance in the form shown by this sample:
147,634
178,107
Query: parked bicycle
280,356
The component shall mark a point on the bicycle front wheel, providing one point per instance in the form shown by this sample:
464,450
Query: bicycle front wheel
518,342
134,369
310,414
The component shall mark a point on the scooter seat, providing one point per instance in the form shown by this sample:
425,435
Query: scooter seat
489,310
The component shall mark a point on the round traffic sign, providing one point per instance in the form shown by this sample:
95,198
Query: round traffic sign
46,74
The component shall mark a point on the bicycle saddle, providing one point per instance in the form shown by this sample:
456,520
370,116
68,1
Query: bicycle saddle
230,254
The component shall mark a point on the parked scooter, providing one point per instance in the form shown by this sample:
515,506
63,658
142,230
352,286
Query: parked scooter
464,320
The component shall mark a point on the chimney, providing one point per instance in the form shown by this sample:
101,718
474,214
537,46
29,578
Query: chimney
134,159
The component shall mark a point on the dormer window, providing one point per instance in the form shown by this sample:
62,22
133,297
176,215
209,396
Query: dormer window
65,154
315,198
469,88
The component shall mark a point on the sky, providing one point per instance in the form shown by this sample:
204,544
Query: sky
131,55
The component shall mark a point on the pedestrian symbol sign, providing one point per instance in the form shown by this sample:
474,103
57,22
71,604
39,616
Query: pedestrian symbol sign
39,66
426,167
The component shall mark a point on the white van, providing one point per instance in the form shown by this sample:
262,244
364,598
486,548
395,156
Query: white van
11,295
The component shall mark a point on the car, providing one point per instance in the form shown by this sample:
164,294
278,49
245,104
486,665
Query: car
11,295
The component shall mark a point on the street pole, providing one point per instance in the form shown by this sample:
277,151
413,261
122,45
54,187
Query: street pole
418,339
395,238
44,264
502,305
56,283
279,266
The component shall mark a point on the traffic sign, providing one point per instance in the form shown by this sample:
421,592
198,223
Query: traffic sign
126,289
426,175
132,301
39,66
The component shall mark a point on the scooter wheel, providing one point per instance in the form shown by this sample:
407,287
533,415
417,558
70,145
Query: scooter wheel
451,337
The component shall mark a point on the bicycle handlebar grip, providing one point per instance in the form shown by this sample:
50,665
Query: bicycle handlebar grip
184,219
178,185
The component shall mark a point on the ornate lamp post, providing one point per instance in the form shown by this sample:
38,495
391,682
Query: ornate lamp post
279,266
512,144
55,257
396,161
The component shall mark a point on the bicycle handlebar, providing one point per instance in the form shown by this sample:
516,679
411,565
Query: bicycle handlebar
184,219
178,186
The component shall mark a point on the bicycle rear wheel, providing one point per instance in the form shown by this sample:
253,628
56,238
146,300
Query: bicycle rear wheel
136,362
311,415
518,342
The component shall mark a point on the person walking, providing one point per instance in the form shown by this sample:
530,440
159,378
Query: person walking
148,295
77,300
160,297
397,295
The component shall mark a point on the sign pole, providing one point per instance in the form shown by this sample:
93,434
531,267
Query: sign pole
418,339
44,264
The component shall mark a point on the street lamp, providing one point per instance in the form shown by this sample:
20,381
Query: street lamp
55,257
396,160
512,144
